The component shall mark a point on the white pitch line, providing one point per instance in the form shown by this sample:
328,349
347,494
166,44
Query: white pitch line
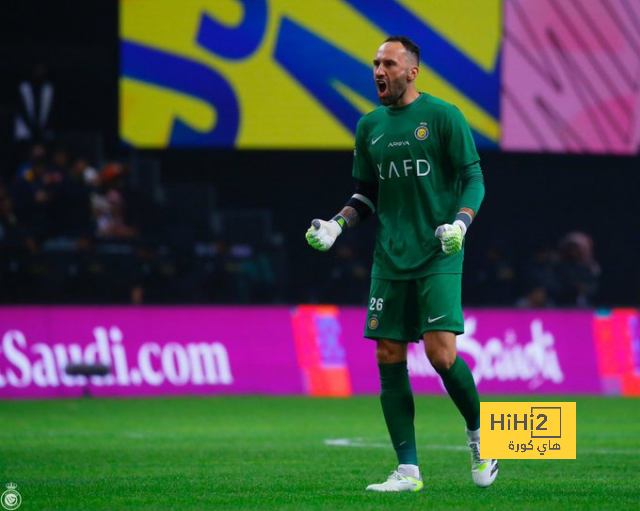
358,442
347,442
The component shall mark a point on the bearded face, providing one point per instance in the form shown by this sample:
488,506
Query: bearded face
393,70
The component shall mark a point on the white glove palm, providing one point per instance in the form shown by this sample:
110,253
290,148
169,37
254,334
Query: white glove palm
322,235
451,236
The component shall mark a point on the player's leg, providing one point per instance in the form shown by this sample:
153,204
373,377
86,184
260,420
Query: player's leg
398,409
396,399
455,373
386,324
443,320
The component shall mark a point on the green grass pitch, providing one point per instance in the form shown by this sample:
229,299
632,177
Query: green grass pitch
271,453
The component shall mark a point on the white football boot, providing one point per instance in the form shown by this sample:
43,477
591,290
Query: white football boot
399,480
483,472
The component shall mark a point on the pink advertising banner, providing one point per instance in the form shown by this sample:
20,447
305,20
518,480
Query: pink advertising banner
151,351
312,350
509,352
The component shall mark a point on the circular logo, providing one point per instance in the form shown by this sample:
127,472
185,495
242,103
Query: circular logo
11,500
422,132
373,323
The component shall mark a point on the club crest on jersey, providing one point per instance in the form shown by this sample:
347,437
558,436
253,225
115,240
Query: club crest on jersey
422,132
373,322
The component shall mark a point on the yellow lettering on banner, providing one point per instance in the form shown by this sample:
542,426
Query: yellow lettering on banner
519,430
275,110
473,27
147,113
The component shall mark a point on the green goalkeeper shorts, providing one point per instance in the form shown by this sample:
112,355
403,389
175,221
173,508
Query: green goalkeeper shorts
402,310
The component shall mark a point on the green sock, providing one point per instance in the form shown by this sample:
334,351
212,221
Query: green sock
398,408
459,383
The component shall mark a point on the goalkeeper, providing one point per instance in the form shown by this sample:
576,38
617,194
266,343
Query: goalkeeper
416,166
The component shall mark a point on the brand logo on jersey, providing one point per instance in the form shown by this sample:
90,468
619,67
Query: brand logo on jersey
422,132
398,144
373,142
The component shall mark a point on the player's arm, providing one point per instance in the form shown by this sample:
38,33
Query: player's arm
362,204
462,151
452,235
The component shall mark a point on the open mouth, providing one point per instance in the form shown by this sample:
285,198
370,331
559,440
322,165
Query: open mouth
382,86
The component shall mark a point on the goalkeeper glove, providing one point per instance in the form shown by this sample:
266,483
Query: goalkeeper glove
322,235
451,236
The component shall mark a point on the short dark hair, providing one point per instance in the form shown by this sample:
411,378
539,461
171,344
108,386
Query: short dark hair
408,44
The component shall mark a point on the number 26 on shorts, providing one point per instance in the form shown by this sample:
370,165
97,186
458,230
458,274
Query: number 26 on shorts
376,304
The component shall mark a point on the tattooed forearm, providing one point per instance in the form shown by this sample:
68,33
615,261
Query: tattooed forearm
351,216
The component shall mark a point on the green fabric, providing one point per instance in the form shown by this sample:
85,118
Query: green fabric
472,187
398,408
459,383
402,310
419,155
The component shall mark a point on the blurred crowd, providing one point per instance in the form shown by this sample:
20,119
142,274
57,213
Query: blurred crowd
60,197
562,275
75,232
72,231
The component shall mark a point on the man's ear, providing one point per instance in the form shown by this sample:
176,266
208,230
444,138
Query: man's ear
413,73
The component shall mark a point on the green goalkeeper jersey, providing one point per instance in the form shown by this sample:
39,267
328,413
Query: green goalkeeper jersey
417,154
